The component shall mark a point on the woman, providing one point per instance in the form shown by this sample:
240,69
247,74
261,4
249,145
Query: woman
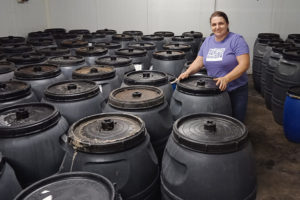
226,57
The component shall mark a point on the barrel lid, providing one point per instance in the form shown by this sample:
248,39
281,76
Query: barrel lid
94,72
130,52
198,85
107,31
25,119
79,31
71,90
152,38
16,48
142,45
66,60
37,72
294,36
39,34
55,30
54,51
169,55
291,54
210,133
194,34
74,43
27,58
64,36
177,46
268,35
12,39
136,97
171,77
107,133
71,185
91,51
146,77
41,42
108,45
164,33
116,61
6,67
133,33
294,91
122,37
11,90
93,35
182,38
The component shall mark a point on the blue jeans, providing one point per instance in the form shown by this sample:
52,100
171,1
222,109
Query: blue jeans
239,101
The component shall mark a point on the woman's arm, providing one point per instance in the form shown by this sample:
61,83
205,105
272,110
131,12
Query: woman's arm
243,65
196,65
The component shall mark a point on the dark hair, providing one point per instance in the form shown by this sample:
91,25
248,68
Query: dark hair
219,14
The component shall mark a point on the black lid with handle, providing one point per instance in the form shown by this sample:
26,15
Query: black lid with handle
146,77
210,133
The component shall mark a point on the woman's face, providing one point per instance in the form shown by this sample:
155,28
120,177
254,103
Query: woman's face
219,26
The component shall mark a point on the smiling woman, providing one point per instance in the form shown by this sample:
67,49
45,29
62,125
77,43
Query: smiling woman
226,58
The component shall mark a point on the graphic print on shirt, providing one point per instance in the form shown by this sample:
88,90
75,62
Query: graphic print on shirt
215,54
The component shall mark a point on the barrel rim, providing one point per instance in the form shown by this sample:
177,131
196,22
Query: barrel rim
213,148
162,81
58,177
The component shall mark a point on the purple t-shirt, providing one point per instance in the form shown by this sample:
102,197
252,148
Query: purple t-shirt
219,58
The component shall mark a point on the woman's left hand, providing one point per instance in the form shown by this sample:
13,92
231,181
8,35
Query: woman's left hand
222,83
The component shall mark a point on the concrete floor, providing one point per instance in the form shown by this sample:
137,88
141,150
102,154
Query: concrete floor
277,159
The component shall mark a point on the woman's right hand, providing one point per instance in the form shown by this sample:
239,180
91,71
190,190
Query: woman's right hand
183,75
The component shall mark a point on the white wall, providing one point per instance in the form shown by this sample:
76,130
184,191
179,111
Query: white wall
19,19
247,17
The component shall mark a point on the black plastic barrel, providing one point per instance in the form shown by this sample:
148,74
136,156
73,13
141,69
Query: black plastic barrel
197,40
286,75
199,94
39,76
123,39
138,56
74,44
118,147
111,46
151,78
59,37
108,32
39,35
6,70
169,61
75,99
29,140
15,92
55,30
122,64
208,156
42,43
9,185
292,37
16,49
74,185
155,39
94,37
189,40
167,35
105,76
79,32
91,53
186,48
137,35
148,103
27,59
148,46
67,64
55,51
12,40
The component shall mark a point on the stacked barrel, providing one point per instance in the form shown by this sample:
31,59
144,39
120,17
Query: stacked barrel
97,109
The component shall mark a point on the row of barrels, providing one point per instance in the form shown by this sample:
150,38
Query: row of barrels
276,67
144,139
